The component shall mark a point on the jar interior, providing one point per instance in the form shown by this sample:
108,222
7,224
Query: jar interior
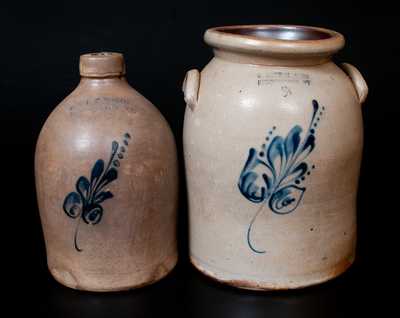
102,54
280,33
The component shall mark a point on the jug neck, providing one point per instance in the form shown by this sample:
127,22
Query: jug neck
103,81
102,69
102,65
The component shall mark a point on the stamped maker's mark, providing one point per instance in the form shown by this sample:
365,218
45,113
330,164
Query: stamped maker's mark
283,77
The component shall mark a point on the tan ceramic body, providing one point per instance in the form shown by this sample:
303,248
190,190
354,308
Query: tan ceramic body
238,103
135,242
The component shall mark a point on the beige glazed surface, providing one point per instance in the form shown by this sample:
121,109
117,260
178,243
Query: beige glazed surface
112,148
272,142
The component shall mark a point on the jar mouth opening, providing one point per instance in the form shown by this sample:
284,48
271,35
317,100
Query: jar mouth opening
277,32
275,39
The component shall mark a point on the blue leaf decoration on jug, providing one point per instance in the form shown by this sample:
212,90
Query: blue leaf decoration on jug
274,174
85,202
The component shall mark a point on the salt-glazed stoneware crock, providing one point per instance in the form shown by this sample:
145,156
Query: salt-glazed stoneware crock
272,142
106,180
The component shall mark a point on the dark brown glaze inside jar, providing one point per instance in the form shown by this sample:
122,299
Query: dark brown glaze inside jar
282,45
287,33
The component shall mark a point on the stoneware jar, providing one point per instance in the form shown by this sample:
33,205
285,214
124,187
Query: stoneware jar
272,141
106,180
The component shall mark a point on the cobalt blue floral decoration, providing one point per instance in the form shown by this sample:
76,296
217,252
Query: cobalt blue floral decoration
85,202
275,174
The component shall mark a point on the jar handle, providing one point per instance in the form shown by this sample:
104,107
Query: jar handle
358,81
190,88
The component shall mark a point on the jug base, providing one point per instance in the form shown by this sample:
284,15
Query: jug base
113,282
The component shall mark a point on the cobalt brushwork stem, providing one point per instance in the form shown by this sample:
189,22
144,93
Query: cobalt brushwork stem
274,175
85,202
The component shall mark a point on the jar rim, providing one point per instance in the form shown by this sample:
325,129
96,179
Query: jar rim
275,40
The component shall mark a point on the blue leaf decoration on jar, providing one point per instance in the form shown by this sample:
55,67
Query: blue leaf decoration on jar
286,199
85,203
272,176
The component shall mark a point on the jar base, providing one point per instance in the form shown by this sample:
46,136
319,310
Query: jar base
67,279
317,278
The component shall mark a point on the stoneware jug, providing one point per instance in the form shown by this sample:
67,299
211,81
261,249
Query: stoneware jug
106,180
272,142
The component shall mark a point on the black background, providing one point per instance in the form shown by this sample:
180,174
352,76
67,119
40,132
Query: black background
41,44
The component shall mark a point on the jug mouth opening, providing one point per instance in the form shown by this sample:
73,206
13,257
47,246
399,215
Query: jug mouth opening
102,64
279,41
